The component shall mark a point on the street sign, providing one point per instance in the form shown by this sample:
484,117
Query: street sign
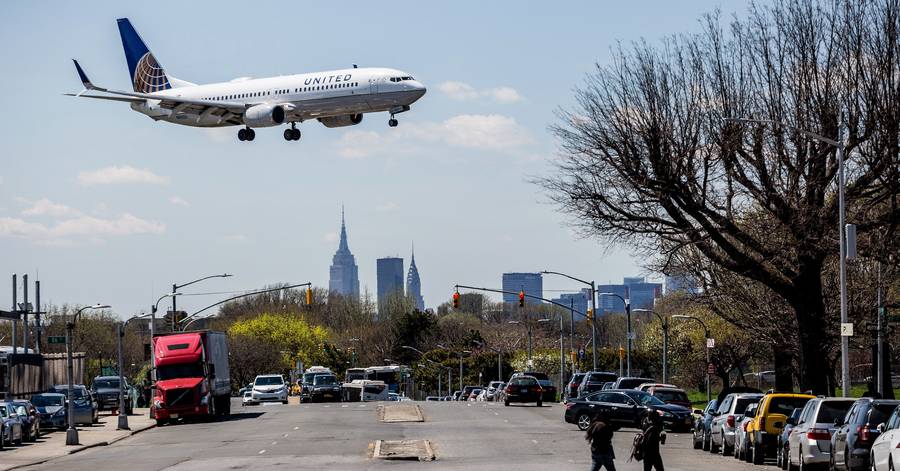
581,354
847,329
621,353
56,339
711,369
710,343
25,307
9,315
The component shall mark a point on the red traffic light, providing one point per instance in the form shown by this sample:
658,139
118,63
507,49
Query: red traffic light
456,300
521,299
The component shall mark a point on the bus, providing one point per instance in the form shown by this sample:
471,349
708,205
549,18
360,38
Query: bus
393,376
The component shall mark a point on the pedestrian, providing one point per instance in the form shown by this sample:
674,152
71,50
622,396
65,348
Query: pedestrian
600,434
653,436
871,391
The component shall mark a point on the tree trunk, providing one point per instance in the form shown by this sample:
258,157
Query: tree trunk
809,308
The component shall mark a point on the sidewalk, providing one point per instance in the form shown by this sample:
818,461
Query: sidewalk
53,444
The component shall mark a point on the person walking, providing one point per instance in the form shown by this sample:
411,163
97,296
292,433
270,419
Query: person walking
600,434
654,435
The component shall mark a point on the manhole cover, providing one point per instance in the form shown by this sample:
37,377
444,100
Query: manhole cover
404,450
404,413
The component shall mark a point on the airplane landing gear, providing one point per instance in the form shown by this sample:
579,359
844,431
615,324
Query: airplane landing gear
392,122
246,134
292,134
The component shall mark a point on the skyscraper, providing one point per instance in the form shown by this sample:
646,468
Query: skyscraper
531,283
578,301
390,277
344,274
413,284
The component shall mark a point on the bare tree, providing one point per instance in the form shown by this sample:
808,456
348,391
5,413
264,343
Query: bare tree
649,161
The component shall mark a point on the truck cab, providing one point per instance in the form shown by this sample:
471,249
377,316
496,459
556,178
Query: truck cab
192,377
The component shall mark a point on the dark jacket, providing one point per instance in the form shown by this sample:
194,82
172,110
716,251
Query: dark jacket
600,434
653,436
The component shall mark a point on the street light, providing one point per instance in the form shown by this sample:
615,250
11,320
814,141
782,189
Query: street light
839,145
629,335
460,353
665,348
123,416
708,347
176,287
481,344
593,310
449,370
562,354
71,432
527,329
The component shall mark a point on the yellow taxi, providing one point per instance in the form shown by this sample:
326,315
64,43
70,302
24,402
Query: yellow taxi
766,425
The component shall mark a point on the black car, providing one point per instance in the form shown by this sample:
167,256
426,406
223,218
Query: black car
702,423
852,441
466,392
593,381
523,389
631,382
626,407
325,388
31,419
546,383
783,450
106,393
572,386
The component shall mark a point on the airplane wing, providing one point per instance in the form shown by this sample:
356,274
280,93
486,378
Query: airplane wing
112,98
169,102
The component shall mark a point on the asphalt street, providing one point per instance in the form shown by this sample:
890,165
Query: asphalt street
464,436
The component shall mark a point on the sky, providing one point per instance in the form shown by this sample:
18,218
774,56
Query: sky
104,205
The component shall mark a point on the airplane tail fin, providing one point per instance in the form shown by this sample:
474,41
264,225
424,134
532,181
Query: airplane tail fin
147,76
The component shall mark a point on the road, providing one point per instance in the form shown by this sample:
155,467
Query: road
465,436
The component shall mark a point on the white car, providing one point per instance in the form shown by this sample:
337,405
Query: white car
247,399
269,388
884,451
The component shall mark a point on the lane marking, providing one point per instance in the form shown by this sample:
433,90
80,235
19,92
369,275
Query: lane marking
275,443
261,452
296,428
285,435
342,407
533,441
496,413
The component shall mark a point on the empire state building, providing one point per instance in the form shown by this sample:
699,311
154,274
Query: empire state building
344,274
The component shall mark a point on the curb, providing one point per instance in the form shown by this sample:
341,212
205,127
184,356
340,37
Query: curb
83,447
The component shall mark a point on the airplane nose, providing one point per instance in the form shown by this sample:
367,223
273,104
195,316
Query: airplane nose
420,88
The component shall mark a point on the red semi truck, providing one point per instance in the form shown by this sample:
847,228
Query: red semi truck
192,377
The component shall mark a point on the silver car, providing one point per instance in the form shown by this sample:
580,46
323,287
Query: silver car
726,419
810,440
741,444
10,424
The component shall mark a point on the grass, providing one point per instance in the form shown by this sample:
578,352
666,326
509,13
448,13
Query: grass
698,398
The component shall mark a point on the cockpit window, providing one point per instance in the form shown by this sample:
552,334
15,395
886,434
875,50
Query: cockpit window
400,79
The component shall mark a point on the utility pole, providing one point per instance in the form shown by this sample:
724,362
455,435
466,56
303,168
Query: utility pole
25,312
845,340
37,316
880,340
572,330
15,322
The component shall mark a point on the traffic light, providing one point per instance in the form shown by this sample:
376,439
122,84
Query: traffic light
456,300
521,299
590,314
308,296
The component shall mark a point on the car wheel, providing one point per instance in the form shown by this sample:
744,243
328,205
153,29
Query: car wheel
759,456
540,404
19,441
706,441
697,443
584,421
713,448
506,403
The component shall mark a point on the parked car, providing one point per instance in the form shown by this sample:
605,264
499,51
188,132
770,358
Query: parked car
106,391
247,399
608,385
724,421
784,445
702,421
31,419
770,418
325,388
852,442
455,396
810,441
549,389
523,389
473,396
668,395
594,381
248,387
741,444
434,399
52,408
625,407
490,393
571,391
631,382
884,450
466,392
647,386
86,410
10,424
270,388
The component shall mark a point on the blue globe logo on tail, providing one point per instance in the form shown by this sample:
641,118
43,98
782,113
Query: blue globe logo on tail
149,77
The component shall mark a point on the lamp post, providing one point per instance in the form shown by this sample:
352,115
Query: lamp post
449,370
153,310
562,353
629,334
123,416
499,357
176,287
593,317
841,149
71,431
665,348
460,354
527,329
708,348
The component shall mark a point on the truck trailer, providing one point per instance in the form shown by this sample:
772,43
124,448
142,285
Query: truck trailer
192,376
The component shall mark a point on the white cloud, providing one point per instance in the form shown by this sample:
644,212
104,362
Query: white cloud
489,132
179,201
81,226
115,175
387,207
462,91
45,207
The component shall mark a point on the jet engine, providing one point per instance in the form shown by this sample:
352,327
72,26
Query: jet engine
341,121
260,116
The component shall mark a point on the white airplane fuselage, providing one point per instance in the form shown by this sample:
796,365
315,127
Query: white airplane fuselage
329,94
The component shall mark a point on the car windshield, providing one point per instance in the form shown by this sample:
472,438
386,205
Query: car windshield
3,411
741,404
308,377
644,399
269,381
786,405
44,401
602,377
631,383
880,413
830,410
106,384
539,376
21,410
325,380
190,370
523,382
668,395
79,393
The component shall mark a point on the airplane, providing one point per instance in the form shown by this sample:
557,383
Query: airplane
335,98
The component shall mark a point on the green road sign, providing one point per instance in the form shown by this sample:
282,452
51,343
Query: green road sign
56,339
